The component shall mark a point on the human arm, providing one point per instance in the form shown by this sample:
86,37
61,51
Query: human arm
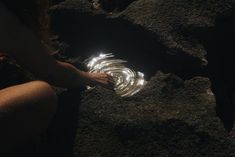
22,44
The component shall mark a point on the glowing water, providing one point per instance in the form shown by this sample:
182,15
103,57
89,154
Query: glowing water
127,81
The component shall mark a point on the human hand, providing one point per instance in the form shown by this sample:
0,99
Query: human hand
101,79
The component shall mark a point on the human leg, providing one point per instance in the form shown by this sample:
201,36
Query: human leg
25,112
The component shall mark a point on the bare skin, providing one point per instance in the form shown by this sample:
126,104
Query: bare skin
25,113
22,44
27,109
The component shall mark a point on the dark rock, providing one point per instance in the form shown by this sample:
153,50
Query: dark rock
170,117
81,7
177,23
172,36
170,33
115,5
54,2
220,47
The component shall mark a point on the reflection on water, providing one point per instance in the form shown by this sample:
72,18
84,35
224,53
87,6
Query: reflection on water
127,81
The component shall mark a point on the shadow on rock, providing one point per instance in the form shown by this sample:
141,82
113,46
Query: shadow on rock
219,43
61,134
168,138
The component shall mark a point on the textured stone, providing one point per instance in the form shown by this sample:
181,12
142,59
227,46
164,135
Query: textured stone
170,117
178,23
173,32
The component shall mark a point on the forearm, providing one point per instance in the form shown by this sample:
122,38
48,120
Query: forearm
68,76
22,44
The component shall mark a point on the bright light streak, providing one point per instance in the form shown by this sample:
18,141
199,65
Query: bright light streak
127,81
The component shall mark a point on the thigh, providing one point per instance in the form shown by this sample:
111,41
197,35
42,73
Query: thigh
25,112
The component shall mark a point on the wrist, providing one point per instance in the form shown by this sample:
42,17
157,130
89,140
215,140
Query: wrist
87,78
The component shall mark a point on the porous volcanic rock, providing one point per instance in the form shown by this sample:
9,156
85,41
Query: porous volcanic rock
171,34
82,7
180,24
115,5
170,117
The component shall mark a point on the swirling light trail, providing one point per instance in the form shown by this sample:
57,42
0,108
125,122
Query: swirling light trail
127,81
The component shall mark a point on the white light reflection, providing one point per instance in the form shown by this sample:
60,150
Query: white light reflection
127,81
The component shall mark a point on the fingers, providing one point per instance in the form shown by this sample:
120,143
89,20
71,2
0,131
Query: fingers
108,82
104,80
110,78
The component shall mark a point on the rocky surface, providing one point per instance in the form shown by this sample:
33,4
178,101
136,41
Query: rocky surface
114,5
170,117
179,24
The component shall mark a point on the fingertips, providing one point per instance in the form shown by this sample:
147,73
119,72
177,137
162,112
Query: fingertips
110,77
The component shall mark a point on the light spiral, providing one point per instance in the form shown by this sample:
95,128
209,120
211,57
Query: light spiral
127,81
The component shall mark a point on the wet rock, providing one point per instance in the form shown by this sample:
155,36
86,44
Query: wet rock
170,117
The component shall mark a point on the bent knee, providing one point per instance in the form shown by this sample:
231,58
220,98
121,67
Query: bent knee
44,89
46,95
28,94
29,108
